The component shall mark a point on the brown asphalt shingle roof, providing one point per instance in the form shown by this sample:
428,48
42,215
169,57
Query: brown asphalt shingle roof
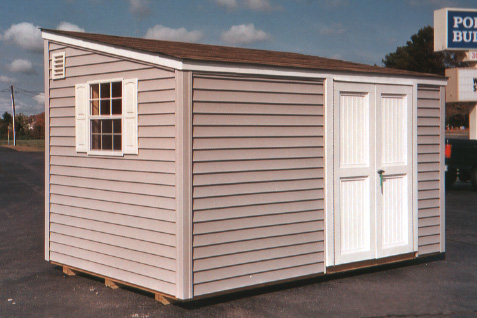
214,53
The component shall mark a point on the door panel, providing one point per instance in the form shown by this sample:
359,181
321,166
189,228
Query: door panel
355,218
372,171
394,157
394,218
393,124
354,184
354,130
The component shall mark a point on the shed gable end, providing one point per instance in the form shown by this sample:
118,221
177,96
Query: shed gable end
113,216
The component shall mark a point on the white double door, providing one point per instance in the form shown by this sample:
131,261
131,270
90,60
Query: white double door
372,171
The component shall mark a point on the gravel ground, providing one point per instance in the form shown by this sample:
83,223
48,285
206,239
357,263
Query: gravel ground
31,287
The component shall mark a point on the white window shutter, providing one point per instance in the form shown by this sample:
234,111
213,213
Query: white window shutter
81,111
130,129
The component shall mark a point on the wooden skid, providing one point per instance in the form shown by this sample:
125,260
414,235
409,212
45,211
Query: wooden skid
67,271
115,284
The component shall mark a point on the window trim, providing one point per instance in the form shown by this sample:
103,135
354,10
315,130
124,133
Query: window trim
89,117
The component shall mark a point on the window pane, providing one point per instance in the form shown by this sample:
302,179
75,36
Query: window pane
117,126
107,126
117,89
95,141
106,100
95,107
117,107
96,126
94,91
107,142
117,142
105,90
105,107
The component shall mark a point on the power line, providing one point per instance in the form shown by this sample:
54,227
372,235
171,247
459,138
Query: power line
21,91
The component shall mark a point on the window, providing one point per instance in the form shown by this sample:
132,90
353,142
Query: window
105,100
106,117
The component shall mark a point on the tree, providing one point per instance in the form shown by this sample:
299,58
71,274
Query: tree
39,128
21,125
418,55
7,118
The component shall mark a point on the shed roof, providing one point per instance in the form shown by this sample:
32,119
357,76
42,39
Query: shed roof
213,53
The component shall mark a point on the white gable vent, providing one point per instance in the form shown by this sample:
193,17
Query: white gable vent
58,65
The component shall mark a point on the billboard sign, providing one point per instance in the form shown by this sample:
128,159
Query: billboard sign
455,29
461,85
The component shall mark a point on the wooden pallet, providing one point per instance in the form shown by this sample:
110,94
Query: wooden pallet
115,284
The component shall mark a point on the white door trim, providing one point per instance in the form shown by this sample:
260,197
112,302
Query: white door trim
330,120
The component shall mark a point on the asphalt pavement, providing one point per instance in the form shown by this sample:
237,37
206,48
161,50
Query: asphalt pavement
31,287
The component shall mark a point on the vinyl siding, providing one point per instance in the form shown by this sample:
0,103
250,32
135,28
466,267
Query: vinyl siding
258,196
115,216
429,175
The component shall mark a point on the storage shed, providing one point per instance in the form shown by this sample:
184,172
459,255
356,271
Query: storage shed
190,170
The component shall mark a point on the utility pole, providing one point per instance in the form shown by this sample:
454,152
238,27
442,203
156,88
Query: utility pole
13,110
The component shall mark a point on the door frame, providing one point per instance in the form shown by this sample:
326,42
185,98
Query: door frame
329,105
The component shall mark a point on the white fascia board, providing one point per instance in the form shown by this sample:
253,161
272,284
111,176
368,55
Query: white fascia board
204,66
200,66
146,57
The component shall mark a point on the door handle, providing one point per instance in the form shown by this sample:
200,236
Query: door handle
380,172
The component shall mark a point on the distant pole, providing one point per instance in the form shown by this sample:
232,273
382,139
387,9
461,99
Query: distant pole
13,110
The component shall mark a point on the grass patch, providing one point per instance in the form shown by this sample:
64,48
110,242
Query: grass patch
25,145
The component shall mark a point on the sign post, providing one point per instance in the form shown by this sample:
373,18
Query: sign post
455,30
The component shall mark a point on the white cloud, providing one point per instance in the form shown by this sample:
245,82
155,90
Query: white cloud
260,5
139,7
160,32
66,26
337,56
5,104
244,34
25,35
21,66
6,79
332,29
254,5
40,98
229,4
26,107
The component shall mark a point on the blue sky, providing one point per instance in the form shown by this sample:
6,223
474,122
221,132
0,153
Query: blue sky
361,31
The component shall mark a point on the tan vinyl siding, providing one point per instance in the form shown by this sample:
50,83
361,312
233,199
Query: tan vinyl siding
115,216
429,175
258,194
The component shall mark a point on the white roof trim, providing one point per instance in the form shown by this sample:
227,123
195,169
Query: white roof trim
205,66
282,71
146,57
